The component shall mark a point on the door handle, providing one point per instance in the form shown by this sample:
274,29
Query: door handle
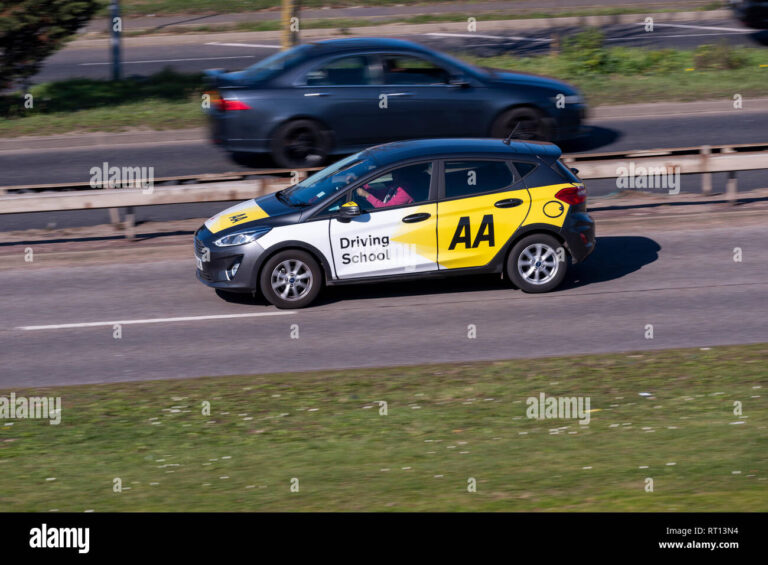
508,203
399,94
316,94
413,218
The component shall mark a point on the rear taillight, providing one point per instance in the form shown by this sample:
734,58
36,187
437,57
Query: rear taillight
572,195
233,105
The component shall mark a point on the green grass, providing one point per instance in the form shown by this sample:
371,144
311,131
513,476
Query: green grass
445,424
166,100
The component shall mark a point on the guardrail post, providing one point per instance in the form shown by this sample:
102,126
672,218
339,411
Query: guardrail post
130,223
731,188
706,178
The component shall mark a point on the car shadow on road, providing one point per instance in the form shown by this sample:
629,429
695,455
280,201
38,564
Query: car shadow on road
614,257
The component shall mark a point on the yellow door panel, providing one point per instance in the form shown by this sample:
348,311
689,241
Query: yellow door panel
471,231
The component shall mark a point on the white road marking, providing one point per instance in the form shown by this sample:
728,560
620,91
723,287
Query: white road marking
154,321
706,28
508,37
654,36
173,60
258,45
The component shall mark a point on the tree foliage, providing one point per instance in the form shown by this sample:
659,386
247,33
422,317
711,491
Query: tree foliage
31,30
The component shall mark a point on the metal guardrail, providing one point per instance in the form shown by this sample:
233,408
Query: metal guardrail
703,160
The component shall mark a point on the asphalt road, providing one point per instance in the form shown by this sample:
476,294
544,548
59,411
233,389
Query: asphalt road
684,283
194,57
73,165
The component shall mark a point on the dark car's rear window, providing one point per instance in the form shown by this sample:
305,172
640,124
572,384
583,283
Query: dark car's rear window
276,63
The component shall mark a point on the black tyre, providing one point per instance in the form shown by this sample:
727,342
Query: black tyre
291,279
300,143
537,263
530,124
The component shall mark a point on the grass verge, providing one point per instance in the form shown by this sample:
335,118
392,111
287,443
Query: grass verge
665,415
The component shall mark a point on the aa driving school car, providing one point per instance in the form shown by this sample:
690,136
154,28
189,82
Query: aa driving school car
412,209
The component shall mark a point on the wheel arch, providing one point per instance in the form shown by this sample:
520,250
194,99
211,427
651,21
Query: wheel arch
297,245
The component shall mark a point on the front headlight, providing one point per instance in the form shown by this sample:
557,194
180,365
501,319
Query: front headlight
241,237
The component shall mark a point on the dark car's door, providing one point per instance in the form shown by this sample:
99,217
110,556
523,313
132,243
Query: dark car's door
341,92
426,99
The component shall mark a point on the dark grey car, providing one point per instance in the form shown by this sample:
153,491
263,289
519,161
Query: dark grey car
339,96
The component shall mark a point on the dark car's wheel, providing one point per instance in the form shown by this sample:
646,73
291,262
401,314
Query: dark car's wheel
537,263
300,143
530,124
291,279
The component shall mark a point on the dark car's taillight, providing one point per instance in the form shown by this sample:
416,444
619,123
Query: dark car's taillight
573,195
231,105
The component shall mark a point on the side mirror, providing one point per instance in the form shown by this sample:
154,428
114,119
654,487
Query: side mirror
348,211
575,171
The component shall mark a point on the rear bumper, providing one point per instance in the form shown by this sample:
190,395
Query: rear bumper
578,231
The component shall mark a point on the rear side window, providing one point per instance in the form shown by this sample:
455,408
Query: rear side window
406,69
523,168
466,178
346,71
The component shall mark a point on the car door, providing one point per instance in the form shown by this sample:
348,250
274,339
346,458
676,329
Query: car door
424,99
482,203
396,232
342,92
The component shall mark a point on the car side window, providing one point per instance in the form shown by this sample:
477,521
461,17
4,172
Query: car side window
523,168
333,207
345,71
398,187
410,70
467,178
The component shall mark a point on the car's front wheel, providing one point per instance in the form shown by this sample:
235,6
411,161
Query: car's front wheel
291,279
526,123
299,144
537,263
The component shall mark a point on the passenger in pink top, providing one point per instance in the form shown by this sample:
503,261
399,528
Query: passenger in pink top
393,195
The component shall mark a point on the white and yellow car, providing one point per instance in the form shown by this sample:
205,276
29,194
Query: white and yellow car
423,208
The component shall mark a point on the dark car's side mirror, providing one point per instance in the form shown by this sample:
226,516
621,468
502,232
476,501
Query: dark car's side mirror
575,171
348,211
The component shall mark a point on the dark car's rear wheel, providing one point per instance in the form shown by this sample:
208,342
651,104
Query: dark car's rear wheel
537,263
291,279
527,123
300,143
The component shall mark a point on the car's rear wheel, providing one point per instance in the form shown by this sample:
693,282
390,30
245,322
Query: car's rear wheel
527,123
291,279
300,143
537,263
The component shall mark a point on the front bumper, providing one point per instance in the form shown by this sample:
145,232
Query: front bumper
578,231
215,264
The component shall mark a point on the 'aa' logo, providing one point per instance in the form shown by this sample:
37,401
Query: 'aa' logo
237,217
463,233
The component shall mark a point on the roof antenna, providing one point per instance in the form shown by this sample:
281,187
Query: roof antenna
511,134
